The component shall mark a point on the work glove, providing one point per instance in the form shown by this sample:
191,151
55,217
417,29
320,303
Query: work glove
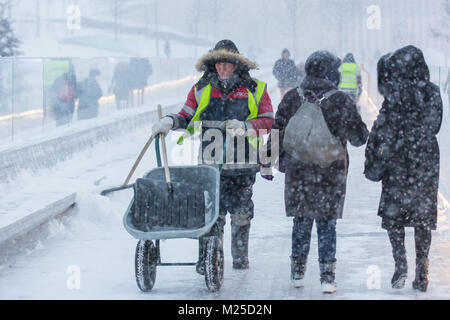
162,126
266,173
234,127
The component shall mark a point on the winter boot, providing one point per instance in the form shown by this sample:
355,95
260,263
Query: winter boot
239,245
400,273
298,269
327,274
421,281
200,266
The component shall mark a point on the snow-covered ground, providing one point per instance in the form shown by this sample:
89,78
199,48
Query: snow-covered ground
94,241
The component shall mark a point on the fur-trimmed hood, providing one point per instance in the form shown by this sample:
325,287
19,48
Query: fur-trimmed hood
209,60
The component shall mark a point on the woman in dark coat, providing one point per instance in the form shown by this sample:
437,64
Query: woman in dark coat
312,192
285,71
403,153
89,93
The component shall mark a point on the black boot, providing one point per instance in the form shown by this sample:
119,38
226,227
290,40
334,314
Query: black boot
397,238
327,275
298,269
422,237
400,273
200,266
421,281
239,245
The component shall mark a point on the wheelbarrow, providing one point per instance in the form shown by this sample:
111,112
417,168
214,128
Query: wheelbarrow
150,221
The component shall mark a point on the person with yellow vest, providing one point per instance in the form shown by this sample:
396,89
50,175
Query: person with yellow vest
350,77
227,101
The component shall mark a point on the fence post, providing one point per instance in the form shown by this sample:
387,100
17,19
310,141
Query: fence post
44,95
12,99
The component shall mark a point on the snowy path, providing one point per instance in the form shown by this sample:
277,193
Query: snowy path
95,241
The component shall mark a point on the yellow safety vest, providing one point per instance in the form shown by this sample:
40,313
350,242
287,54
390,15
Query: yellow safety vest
53,69
349,72
202,97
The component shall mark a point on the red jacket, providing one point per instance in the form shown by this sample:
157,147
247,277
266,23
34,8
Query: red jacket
264,119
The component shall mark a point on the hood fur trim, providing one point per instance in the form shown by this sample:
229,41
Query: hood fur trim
222,54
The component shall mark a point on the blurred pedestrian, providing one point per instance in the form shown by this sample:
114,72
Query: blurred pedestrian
351,82
139,71
285,72
89,92
167,49
62,98
120,85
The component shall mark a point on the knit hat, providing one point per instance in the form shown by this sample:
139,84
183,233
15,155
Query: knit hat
224,51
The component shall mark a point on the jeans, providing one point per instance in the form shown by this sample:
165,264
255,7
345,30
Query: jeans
301,239
422,238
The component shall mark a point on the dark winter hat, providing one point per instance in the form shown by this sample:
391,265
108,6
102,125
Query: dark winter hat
323,65
226,45
224,51
349,58
409,63
94,72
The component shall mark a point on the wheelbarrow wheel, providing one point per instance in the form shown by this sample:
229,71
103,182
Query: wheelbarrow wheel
145,264
214,262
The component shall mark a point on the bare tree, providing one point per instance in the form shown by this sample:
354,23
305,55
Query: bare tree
156,28
9,44
292,6
443,30
195,22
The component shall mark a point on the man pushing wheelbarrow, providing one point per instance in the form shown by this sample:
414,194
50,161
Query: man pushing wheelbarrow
234,111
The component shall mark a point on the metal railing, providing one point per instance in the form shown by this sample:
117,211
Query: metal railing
28,90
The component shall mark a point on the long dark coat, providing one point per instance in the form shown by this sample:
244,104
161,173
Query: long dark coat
312,191
402,150
285,71
89,93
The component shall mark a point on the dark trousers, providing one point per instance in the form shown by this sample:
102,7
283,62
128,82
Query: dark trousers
236,197
422,238
301,239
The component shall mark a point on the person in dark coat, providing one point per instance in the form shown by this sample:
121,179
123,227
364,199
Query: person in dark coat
403,153
285,72
313,193
140,69
89,93
121,85
62,98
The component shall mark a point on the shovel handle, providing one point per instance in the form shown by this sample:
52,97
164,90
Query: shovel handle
138,160
164,150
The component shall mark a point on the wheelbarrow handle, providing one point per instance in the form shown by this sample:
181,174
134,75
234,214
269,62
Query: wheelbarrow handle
164,150
139,158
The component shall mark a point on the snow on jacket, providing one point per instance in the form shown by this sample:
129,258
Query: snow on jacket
402,150
312,191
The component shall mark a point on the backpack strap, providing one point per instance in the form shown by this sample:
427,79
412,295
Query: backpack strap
301,93
327,94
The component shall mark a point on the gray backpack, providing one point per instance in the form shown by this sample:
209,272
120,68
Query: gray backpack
307,137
